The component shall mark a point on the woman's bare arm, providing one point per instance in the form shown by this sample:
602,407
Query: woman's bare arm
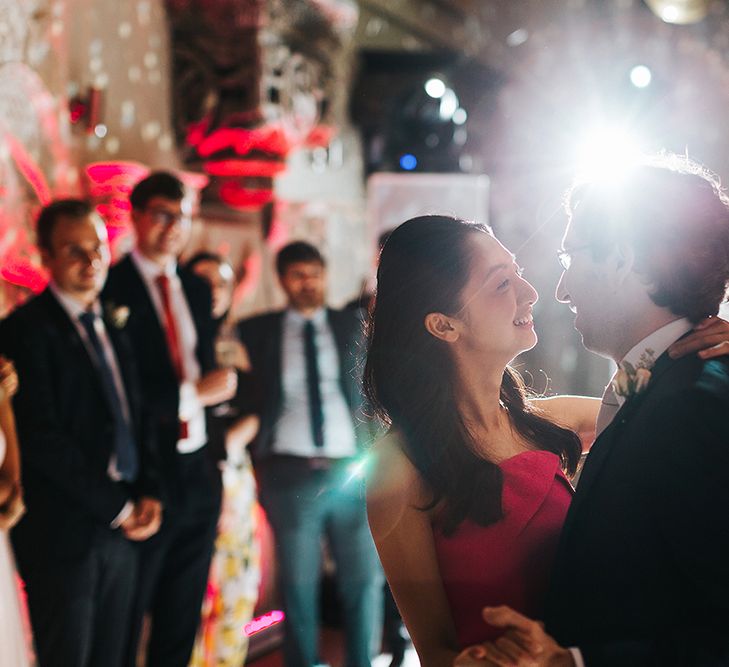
577,413
404,539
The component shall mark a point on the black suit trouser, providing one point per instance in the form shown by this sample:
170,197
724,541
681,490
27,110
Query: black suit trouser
174,565
80,607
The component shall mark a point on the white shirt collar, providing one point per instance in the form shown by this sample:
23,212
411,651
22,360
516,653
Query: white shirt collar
151,270
645,353
73,307
318,318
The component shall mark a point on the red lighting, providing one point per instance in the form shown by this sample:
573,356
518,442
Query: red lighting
111,172
30,170
233,194
23,273
263,622
269,139
267,168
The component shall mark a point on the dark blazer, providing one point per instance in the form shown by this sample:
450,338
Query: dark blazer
65,430
160,387
262,337
642,571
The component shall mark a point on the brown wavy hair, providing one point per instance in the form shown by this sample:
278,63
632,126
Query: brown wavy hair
674,214
410,376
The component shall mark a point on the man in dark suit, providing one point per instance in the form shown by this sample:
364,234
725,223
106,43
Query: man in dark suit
88,477
171,328
307,456
641,575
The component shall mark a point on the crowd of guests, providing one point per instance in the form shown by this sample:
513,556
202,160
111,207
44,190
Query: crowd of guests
142,410
137,402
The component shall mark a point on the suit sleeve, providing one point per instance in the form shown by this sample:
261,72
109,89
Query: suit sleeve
44,445
690,492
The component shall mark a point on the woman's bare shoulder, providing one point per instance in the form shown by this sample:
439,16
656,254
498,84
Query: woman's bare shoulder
394,486
390,469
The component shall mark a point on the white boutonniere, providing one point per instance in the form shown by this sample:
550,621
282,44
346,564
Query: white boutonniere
117,315
631,380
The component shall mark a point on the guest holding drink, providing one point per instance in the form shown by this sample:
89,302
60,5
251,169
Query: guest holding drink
235,569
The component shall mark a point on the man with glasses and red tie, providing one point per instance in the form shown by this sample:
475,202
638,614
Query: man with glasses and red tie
307,457
171,327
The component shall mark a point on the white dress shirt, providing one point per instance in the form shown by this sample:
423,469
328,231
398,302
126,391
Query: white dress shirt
191,409
657,343
74,309
292,434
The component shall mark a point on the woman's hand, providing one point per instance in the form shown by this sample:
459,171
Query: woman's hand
8,379
13,509
709,339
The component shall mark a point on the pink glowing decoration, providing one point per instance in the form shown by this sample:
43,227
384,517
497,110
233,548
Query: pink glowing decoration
109,185
240,167
241,141
263,622
22,272
29,168
236,196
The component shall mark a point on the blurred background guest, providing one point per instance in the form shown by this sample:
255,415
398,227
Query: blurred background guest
235,570
12,636
307,457
89,481
171,327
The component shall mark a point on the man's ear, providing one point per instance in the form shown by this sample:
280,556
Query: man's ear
441,327
45,256
135,215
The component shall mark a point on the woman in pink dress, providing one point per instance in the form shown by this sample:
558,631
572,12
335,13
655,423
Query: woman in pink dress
469,489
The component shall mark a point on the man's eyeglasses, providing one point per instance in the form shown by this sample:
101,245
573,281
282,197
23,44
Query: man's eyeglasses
161,217
565,256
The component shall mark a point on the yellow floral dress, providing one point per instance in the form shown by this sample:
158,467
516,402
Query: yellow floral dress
235,573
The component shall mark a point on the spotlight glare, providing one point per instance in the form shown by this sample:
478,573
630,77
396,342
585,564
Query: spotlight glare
435,88
517,38
460,116
670,14
605,153
408,161
640,76
448,104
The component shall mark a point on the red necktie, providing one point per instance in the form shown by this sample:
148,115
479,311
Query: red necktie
171,334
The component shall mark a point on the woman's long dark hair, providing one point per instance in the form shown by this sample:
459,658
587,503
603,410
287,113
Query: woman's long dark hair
410,376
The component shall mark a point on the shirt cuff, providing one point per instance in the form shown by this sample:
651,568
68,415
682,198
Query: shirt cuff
189,400
577,656
127,510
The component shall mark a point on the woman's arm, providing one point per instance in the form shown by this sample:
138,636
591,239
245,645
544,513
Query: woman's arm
577,413
404,539
11,495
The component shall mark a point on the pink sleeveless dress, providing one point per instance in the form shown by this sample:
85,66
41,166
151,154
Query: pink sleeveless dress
508,562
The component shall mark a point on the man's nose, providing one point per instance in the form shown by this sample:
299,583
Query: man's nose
92,258
561,293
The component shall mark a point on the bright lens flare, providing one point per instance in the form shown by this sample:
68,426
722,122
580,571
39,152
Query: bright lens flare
607,153
357,470
640,76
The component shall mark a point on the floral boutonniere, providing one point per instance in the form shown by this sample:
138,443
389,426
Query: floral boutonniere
117,315
631,380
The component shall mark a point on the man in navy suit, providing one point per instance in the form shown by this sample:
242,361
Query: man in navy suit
89,477
641,576
307,456
171,328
